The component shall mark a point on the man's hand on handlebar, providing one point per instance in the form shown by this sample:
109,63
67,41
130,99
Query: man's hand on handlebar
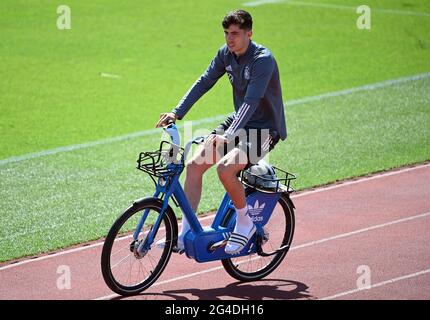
215,140
165,119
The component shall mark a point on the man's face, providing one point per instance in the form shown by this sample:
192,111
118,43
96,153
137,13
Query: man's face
237,39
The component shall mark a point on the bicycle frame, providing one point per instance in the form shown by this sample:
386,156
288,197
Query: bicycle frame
206,244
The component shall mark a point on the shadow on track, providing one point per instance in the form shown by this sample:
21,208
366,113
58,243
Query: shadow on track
258,290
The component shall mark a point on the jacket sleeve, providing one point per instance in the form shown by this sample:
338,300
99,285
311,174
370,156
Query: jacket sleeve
224,125
207,80
261,74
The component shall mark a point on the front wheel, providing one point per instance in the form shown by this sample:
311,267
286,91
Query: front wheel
126,270
279,230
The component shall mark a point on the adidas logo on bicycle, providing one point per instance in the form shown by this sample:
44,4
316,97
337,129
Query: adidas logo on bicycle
255,211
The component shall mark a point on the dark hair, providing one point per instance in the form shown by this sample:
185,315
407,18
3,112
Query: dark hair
241,18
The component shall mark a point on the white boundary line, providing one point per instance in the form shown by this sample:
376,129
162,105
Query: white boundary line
342,7
261,2
348,234
379,284
360,180
149,132
367,87
304,245
322,189
73,147
109,75
334,6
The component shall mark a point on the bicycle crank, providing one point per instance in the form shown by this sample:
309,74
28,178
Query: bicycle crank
261,240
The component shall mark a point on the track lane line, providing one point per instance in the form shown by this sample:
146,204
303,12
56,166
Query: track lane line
379,284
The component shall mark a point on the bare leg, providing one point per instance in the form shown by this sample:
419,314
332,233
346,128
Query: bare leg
193,185
228,167
204,158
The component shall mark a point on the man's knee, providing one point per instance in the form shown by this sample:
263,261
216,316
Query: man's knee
226,171
196,168
203,158
222,170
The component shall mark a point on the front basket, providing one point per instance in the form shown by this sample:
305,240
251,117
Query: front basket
165,162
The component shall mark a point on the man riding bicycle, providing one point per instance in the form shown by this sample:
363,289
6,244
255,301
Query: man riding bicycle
244,137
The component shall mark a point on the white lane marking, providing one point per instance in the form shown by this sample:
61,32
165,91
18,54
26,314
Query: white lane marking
348,234
133,135
367,87
335,6
167,281
322,189
308,244
260,2
149,132
379,284
360,180
109,75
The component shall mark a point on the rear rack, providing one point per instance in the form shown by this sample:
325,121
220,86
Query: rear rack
280,184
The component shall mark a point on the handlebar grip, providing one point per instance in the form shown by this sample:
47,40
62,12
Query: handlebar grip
199,140
173,132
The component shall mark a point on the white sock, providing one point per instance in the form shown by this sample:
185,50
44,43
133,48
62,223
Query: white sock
243,226
243,222
184,230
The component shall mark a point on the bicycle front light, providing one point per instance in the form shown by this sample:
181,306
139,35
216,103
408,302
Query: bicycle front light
161,181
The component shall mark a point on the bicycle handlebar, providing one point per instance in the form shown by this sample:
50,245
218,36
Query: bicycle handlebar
173,132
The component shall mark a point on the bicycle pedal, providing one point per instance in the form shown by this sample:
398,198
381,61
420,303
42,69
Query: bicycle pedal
218,245
177,250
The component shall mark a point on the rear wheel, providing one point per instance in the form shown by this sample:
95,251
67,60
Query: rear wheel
279,230
126,270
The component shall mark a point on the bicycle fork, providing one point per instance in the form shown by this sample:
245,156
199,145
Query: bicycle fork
145,244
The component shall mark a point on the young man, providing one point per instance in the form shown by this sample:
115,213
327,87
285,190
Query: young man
248,134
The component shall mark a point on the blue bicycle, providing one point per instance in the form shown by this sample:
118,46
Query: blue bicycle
131,261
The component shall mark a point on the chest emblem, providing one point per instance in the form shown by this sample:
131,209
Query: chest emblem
246,73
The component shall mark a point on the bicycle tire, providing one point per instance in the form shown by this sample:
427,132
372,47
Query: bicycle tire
232,268
170,223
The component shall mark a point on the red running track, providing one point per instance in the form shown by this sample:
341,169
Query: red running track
374,228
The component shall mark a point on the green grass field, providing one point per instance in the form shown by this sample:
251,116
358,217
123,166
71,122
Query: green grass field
53,95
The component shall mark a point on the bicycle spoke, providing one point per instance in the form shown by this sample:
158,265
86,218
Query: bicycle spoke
279,230
129,273
120,261
120,250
